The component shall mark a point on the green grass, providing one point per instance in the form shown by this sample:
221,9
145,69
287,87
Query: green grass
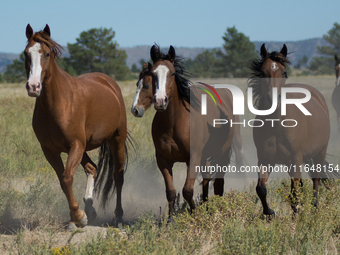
30,195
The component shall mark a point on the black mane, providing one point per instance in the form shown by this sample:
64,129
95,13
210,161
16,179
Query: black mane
257,73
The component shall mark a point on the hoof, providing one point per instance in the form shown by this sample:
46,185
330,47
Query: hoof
170,220
294,208
269,212
71,227
116,221
90,212
83,222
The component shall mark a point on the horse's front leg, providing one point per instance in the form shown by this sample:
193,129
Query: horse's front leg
166,169
188,189
296,181
261,189
75,156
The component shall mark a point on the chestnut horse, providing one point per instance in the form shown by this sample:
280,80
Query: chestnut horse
336,91
279,144
164,85
143,100
75,115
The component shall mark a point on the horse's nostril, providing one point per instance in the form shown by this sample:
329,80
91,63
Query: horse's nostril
135,111
166,100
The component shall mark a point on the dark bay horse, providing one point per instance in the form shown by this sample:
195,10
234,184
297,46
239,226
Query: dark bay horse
336,91
280,144
75,115
164,85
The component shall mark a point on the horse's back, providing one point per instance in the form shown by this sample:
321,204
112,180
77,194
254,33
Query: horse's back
96,80
315,94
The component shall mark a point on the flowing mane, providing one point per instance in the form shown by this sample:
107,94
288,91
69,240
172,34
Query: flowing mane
257,73
181,76
42,37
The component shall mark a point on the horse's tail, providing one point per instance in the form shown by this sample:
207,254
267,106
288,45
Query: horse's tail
106,169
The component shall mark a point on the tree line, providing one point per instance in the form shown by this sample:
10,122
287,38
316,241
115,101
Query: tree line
95,50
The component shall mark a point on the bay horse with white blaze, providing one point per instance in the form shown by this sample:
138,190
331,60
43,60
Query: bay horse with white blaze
75,115
336,91
164,85
280,144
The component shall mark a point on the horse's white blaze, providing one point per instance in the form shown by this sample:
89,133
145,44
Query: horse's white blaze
139,88
274,67
36,69
89,187
161,73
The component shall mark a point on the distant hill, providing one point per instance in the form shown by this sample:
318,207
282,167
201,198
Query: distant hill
5,59
135,54
296,50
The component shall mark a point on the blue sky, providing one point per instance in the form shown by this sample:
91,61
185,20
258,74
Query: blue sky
179,23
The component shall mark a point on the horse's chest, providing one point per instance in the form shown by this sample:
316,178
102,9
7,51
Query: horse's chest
49,132
172,148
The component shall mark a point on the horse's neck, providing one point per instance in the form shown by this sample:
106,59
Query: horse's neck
175,111
275,115
56,88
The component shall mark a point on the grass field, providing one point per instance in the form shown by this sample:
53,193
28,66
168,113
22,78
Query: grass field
32,202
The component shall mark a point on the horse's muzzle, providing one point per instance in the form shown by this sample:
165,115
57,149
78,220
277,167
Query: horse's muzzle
33,90
160,104
137,112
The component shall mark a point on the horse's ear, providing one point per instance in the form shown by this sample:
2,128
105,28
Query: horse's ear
284,50
172,54
29,31
263,52
336,58
149,66
145,65
154,54
47,30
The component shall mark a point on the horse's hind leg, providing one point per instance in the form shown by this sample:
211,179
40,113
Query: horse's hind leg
319,161
91,172
117,145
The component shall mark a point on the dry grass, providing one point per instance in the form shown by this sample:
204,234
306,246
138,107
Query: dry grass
30,196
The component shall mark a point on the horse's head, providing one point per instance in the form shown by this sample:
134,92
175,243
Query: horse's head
144,92
269,72
39,53
164,72
273,70
337,70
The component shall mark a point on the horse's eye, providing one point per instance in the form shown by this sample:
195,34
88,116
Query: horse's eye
146,86
47,54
